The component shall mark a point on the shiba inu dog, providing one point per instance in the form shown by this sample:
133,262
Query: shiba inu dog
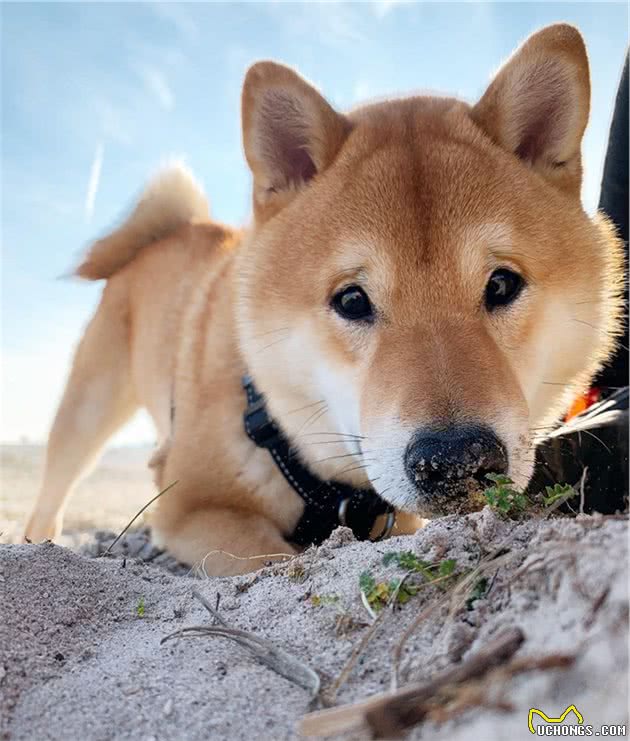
419,296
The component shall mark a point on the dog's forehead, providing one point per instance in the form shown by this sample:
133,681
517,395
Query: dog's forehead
419,181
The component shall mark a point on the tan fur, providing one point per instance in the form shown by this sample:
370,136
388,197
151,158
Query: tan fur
417,201
172,199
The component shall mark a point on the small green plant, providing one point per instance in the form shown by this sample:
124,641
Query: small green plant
478,591
556,492
503,497
410,562
379,594
321,600
406,560
140,607
447,567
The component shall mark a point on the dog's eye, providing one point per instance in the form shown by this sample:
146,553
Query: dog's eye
503,287
353,303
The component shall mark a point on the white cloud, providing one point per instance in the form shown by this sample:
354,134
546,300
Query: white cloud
333,23
381,8
157,85
94,180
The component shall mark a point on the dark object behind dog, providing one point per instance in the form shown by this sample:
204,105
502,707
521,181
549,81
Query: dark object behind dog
598,439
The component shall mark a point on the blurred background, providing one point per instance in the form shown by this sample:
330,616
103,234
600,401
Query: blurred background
95,96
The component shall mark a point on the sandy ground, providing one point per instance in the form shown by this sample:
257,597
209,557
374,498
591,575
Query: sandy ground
117,488
81,654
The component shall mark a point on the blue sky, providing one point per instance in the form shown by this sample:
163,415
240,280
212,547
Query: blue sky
96,95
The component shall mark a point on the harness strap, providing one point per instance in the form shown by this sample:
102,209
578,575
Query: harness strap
327,504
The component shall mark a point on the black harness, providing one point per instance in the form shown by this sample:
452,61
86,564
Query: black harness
327,504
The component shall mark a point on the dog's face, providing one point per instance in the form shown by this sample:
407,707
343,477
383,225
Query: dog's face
422,293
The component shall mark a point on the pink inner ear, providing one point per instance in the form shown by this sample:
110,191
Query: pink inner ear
301,167
545,119
284,131
533,142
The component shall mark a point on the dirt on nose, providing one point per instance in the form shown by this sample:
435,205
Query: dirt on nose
451,472
455,496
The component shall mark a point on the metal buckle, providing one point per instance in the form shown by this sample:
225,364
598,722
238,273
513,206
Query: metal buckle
342,511
389,526
389,522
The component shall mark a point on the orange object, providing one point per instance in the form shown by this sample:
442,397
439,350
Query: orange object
583,402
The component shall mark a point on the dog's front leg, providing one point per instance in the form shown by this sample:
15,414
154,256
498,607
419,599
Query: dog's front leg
223,542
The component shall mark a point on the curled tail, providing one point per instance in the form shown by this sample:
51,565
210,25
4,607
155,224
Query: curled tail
172,199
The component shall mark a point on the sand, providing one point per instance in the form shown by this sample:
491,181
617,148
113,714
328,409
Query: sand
81,658
120,485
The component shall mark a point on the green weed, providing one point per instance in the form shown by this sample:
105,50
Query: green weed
503,497
556,492
379,594
140,607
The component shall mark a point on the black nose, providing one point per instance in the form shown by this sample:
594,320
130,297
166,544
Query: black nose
448,461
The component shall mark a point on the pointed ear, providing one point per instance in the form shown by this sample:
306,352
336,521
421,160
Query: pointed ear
538,104
290,134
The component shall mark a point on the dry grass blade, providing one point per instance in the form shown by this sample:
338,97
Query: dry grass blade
213,611
582,492
200,567
387,715
135,517
409,706
532,663
267,653
378,620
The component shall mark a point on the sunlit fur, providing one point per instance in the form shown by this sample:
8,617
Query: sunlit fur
417,201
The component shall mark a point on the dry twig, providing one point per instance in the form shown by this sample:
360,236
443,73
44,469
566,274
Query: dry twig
135,517
387,714
272,656
366,638
582,492
457,596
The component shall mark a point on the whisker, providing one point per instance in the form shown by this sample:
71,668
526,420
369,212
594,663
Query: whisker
349,455
335,457
318,414
599,440
353,468
592,326
345,434
328,442
338,473
307,406
271,331
271,344
371,481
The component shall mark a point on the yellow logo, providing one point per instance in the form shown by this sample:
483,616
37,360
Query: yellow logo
535,711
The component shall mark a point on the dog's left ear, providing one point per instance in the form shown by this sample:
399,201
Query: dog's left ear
290,134
538,104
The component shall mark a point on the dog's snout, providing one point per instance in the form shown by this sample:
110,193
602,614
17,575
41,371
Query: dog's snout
449,461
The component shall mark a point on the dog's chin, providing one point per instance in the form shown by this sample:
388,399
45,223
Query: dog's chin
448,501
440,505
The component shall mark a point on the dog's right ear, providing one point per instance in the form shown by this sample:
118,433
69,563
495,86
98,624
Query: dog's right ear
538,104
290,134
